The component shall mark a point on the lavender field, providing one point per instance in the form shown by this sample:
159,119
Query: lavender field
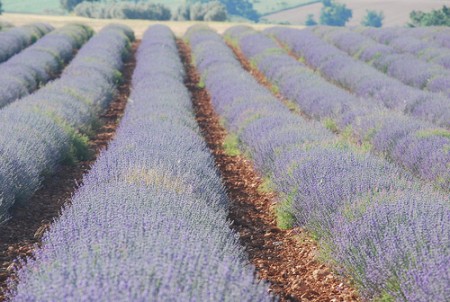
347,130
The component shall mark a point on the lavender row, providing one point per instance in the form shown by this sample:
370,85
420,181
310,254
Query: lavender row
15,39
5,25
436,36
49,126
41,62
375,220
150,222
410,44
418,146
405,67
441,38
363,80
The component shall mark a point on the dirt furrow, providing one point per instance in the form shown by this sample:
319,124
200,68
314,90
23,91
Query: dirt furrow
285,258
20,235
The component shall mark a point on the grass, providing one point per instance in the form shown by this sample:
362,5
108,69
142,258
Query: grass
231,145
266,186
283,212
31,6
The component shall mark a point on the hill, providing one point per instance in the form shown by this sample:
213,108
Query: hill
396,11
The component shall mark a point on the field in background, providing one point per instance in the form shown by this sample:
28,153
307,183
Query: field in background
266,6
31,6
139,26
396,11
293,11
45,6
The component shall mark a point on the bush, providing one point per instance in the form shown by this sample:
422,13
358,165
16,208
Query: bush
211,11
439,17
140,10
373,19
310,20
334,14
241,8
71,4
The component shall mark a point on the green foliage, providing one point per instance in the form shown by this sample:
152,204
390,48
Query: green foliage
433,132
266,186
373,18
283,213
79,149
70,4
242,8
310,20
440,17
292,106
201,83
331,125
198,11
1,9
124,10
231,145
334,14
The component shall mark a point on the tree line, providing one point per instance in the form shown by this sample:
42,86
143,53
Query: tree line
198,10
332,12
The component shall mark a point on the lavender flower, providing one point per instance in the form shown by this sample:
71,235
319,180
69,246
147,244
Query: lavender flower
363,80
150,221
366,118
38,64
16,39
329,184
47,123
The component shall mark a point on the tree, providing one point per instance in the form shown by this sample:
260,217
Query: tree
198,11
439,17
310,20
123,10
243,8
373,18
334,14
1,8
70,4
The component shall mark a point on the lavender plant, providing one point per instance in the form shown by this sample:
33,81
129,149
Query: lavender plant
403,66
50,125
5,25
413,45
324,182
41,62
363,80
435,36
14,40
150,221
418,146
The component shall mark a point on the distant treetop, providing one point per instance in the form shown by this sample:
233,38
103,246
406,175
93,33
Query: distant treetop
70,4
373,18
334,14
440,17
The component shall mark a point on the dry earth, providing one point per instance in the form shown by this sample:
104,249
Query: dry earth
285,258
23,232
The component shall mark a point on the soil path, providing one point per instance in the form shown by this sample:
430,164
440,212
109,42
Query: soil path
19,235
285,258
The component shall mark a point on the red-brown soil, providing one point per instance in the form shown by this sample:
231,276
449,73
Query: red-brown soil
285,258
20,235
